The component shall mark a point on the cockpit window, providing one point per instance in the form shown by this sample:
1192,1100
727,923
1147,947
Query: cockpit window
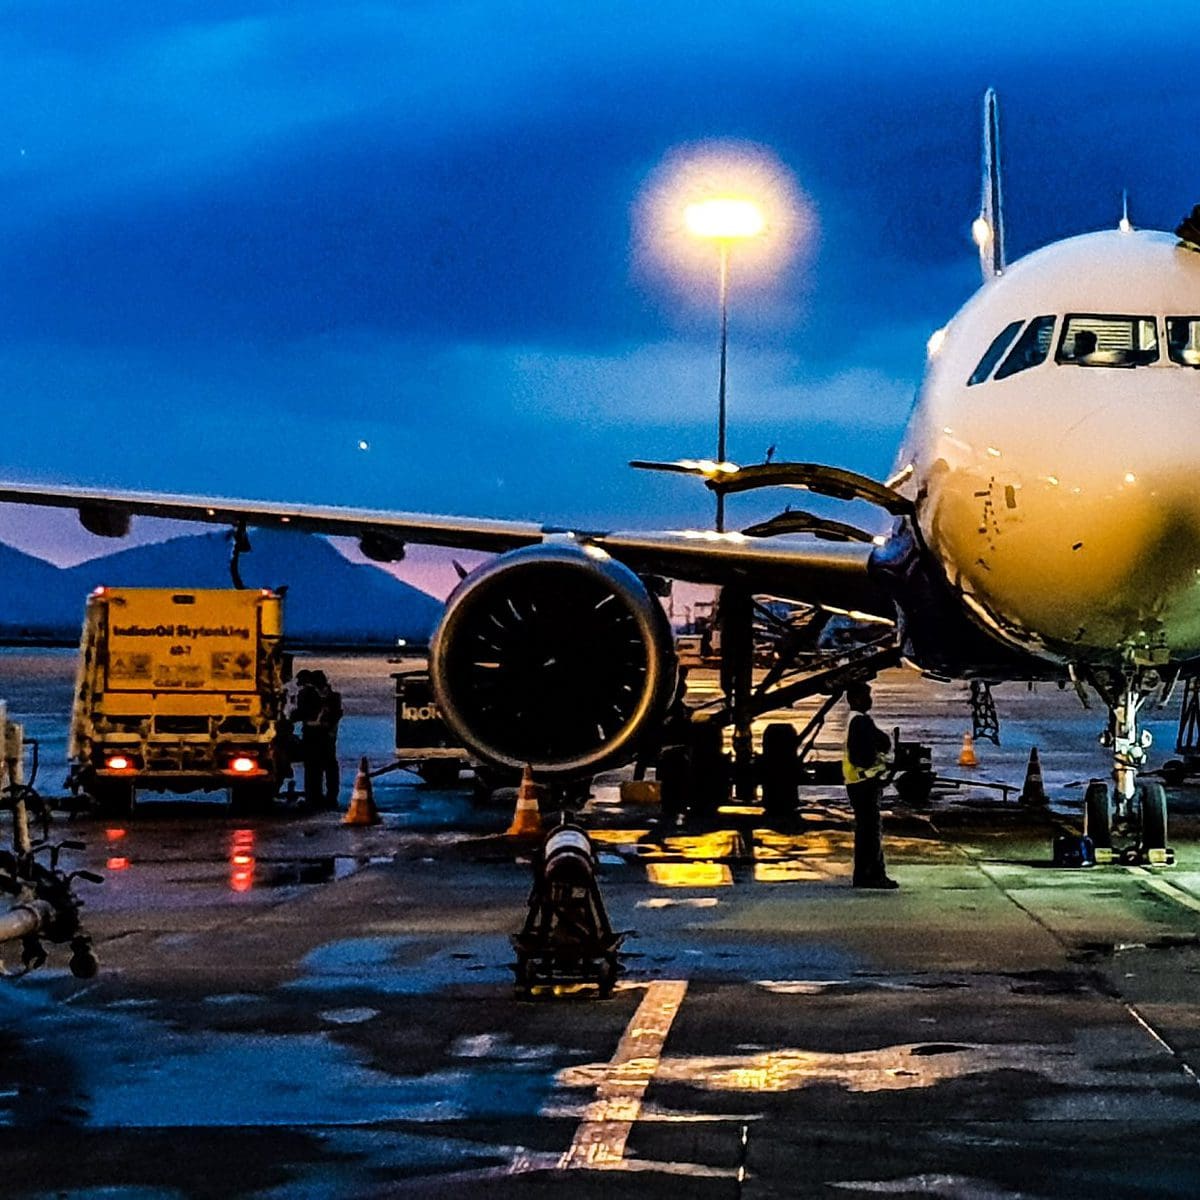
992,355
1183,340
1093,340
1031,349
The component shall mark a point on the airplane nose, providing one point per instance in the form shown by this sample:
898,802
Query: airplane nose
1122,527
1092,543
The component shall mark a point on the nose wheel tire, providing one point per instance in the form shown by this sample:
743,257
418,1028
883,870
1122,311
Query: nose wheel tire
1098,808
1152,799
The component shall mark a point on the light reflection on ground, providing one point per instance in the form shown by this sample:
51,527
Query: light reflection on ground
891,1068
788,871
689,874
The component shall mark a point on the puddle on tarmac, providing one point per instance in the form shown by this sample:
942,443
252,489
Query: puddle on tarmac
121,1069
117,1192
501,1046
702,860
405,965
348,1016
929,1185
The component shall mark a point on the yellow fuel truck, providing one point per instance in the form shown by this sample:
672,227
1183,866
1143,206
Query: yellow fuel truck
181,691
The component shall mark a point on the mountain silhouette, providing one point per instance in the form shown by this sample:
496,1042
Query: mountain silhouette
329,601
34,604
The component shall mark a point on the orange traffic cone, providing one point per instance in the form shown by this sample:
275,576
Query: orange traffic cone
1033,792
527,817
966,757
362,810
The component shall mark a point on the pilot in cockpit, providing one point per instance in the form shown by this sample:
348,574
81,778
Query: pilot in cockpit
1179,342
1085,346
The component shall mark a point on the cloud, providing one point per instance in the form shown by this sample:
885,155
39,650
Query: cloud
460,428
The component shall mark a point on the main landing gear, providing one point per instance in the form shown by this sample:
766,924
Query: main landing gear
1131,808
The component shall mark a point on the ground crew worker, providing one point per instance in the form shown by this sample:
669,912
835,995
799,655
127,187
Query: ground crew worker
307,714
330,719
863,766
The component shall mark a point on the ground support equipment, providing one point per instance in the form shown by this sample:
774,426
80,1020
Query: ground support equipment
567,939
42,904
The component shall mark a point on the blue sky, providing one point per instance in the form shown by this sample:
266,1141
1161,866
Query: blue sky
240,238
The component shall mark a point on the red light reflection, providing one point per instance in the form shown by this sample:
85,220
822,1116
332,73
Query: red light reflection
118,864
241,860
114,835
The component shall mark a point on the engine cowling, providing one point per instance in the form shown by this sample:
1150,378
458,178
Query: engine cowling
553,655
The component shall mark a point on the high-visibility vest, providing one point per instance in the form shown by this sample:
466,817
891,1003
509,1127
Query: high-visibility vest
852,773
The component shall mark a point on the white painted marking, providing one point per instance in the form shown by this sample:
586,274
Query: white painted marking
1166,888
1180,1060
599,1142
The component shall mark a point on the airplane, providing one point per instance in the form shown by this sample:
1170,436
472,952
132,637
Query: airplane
1045,525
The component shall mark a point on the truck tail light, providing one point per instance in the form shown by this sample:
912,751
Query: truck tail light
118,762
243,764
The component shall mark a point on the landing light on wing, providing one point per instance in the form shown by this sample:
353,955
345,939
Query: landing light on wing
711,535
706,466
981,231
936,340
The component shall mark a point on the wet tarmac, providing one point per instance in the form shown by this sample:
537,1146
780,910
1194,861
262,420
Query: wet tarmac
291,1008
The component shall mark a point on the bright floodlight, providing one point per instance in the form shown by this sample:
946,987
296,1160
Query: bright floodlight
724,217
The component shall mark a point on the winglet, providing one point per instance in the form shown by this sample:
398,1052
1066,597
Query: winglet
988,228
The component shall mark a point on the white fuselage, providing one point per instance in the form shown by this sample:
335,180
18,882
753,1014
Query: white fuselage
1063,500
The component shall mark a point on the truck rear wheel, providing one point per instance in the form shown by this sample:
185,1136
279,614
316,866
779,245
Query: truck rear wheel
252,799
113,797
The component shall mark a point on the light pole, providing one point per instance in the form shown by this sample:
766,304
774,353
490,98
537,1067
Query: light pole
723,220
726,220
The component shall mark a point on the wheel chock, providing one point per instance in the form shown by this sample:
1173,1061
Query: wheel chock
1073,850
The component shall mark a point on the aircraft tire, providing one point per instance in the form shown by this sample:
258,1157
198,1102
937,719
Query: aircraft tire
1097,804
1152,798
440,772
914,787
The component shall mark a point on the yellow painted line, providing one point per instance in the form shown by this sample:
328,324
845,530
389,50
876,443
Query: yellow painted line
1166,888
599,1142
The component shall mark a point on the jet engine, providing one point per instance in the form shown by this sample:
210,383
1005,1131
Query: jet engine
553,655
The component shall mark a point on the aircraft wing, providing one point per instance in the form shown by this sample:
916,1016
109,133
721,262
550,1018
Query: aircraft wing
828,573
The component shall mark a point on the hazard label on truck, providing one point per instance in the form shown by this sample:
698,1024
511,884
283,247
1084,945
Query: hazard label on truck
209,643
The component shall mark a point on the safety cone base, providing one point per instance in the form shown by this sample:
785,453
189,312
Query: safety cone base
362,810
1033,791
967,757
527,817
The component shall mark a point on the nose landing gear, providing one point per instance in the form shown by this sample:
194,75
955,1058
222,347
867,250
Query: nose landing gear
1133,809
